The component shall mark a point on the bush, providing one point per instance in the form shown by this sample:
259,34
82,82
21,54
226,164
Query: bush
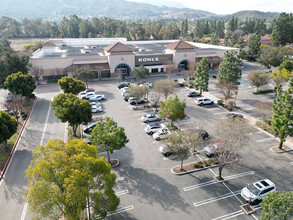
172,128
230,105
52,81
199,164
24,116
266,127
268,121
220,102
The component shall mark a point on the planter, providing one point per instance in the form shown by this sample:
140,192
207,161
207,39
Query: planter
189,168
247,208
114,163
285,149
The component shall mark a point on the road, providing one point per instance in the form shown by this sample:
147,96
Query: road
42,126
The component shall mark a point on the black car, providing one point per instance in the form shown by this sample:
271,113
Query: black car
122,86
234,116
89,128
193,94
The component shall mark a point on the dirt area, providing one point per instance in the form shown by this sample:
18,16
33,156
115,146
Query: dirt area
18,43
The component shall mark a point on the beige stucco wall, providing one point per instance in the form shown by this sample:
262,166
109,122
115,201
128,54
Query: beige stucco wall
114,59
183,55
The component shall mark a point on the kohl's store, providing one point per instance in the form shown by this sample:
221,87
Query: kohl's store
109,57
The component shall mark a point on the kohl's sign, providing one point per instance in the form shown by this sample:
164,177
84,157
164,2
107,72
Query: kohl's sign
153,59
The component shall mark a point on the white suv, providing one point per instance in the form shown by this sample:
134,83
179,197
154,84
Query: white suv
152,128
256,191
204,101
161,134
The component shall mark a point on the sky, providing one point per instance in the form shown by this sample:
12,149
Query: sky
232,6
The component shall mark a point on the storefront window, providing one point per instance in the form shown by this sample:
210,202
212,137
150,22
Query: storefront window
183,65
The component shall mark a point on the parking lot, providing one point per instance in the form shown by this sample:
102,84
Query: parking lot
149,190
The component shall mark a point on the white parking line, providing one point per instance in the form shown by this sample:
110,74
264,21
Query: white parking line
230,215
214,181
124,209
218,113
121,193
212,109
203,202
264,139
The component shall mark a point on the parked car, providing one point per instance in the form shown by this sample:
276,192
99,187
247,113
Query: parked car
192,94
211,150
124,90
161,134
87,129
126,97
152,128
96,108
133,101
204,101
122,85
256,191
150,85
97,97
165,150
87,95
150,117
83,93
234,116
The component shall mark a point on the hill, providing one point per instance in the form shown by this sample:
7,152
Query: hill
243,15
119,9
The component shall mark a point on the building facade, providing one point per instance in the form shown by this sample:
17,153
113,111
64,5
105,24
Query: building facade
109,57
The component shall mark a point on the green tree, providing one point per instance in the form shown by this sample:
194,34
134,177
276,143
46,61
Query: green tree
8,127
165,87
140,73
287,64
282,30
173,109
277,205
19,83
282,114
62,178
12,63
71,85
84,75
201,81
176,143
230,69
215,40
108,136
254,44
4,45
280,77
33,47
69,108
259,78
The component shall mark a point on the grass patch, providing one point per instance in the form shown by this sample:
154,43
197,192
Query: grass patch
70,133
260,91
4,153
266,127
52,81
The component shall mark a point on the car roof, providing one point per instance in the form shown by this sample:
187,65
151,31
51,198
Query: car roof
265,183
154,124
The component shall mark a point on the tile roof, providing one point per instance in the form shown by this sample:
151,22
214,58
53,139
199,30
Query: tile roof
118,47
180,45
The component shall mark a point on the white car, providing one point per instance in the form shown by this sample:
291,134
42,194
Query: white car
165,150
96,108
211,150
256,191
87,95
97,97
204,101
150,117
152,128
124,90
161,134
150,85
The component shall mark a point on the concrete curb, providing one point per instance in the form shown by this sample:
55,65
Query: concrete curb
191,171
116,165
284,151
17,140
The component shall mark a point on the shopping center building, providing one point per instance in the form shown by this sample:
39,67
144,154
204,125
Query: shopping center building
109,57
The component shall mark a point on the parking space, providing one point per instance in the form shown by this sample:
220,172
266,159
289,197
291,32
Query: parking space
147,188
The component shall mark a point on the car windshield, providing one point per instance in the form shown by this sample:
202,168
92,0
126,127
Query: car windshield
253,189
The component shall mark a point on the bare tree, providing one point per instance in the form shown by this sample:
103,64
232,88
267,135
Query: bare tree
14,104
233,136
37,73
189,73
193,140
137,92
227,89
165,87
176,143
155,98
170,68
263,109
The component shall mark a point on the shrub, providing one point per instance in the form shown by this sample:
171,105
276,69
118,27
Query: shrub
263,91
266,127
24,116
230,105
199,164
220,102
268,121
